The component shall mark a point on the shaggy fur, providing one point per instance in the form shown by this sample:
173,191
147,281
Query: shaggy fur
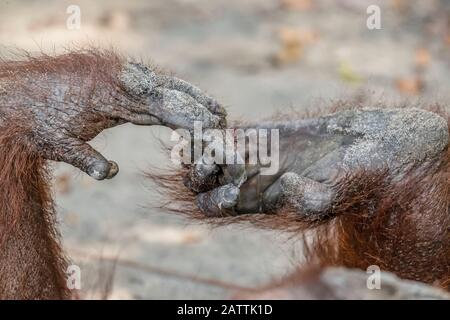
50,107
32,265
403,227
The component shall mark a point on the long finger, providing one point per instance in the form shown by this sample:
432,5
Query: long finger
174,83
177,109
219,201
204,175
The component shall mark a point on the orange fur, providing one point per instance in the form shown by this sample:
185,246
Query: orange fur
403,227
31,261
32,265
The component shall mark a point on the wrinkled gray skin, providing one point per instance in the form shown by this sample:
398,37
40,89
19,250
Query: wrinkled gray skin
316,153
65,111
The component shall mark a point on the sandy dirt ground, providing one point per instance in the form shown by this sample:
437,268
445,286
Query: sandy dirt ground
256,57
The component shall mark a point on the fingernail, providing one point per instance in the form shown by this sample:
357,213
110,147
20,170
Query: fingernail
113,170
230,196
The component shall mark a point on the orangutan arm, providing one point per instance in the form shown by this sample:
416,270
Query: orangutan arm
64,101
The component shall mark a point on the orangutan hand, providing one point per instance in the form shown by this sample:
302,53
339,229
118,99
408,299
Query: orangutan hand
315,154
62,102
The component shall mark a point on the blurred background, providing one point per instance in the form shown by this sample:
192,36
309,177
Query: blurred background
256,57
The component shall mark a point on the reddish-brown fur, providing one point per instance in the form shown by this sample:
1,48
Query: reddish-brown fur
31,261
50,106
32,264
402,227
